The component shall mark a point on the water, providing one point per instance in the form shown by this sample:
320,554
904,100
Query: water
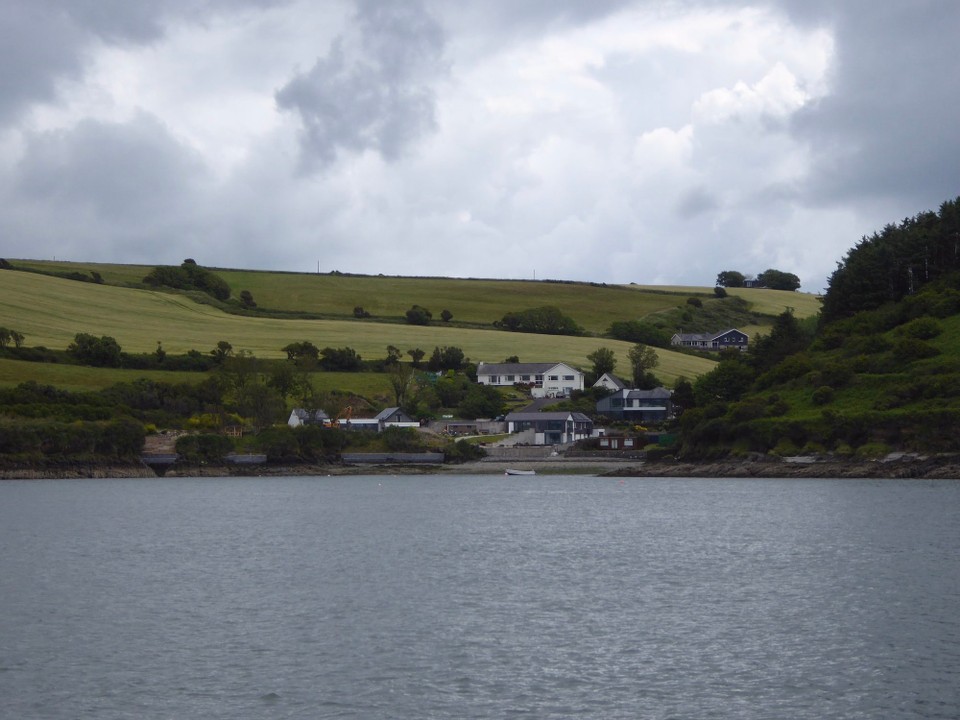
480,597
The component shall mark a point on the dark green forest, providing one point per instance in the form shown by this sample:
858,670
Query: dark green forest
879,372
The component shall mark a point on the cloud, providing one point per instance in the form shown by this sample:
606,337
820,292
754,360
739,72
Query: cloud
614,141
371,92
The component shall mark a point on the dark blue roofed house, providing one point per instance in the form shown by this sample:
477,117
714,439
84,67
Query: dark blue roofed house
722,340
640,406
550,428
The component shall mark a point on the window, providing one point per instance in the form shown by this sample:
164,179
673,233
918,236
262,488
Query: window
538,378
525,378
494,379
510,378
553,377
568,377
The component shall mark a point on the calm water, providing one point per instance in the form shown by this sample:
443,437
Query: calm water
447,597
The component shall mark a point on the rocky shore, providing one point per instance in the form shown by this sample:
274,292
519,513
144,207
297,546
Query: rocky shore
901,466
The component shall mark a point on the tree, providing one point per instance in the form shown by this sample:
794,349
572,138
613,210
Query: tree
642,360
340,359
393,355
221,352
160,353
482,401
360,313
446,315
778,280
417,315
246,299
637,331
512,359
446,358
302,354
401,379
730,279
416,355
604,361
98,352
5,337
17,338
547,320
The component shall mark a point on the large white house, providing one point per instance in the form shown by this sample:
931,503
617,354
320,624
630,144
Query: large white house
544,379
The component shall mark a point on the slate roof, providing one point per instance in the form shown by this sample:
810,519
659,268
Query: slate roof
518,368
531,416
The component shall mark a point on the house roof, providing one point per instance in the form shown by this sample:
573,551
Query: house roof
613,379
518,368
318,415
707,337
388,413
531,416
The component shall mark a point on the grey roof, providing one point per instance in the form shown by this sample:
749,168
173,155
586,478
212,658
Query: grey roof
518,368
614,379
708,336
522,416
387,413
304,415
656,393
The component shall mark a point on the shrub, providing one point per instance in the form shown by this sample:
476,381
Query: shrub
417,315
359,312
822,395
695,302
206,447
547,320
910,349
923,328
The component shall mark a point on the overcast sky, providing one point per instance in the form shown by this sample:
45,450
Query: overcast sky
602,140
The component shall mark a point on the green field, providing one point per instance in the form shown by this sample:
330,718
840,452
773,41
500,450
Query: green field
477,302
50,311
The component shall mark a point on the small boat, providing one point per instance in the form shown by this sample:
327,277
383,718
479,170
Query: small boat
511,471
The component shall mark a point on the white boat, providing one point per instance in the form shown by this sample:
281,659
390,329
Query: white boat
511,471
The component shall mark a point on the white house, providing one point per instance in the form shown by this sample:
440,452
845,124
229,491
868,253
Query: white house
544,379
722,340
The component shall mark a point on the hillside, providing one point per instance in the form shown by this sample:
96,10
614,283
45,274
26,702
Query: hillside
881,372
473,302
50,311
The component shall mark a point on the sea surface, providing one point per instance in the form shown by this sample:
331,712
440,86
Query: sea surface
479,597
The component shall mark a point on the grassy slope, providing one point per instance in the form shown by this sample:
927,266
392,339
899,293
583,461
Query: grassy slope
472,301
50,311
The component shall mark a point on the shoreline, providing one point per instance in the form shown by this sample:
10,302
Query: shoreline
905,467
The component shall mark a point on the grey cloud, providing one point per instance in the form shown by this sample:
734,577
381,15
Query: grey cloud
381,101
888,128
115,185
44,41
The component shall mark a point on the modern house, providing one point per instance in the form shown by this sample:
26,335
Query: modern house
299,417
637,405
391,417
722,340
550,428
610,382
544,379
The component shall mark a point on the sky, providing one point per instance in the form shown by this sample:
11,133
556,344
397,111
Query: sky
612,141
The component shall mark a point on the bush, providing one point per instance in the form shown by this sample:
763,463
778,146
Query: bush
822,395
547,320
419,315
462,451
206,447
910,349
695,302
359,312
923,328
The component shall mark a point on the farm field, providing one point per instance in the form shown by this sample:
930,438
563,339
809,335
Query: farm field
50,311
477,302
